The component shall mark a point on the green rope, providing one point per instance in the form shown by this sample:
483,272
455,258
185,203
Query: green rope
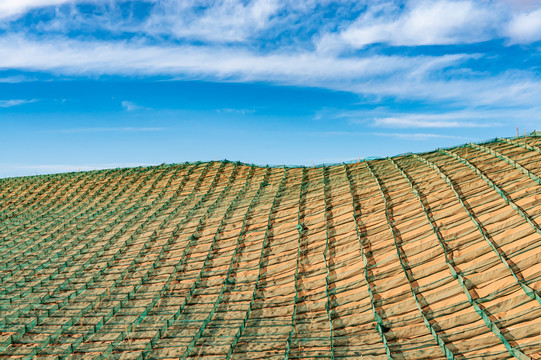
441,343
227,281
187,298
248,312
327,277
300,229
529,291
18,242
517,143
514,352
377,318
96,254
141,281
508,160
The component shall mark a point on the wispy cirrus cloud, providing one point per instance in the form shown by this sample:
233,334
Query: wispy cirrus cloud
355,48
11,8
131,106
15,102
417,23
474,118
425,122
110,129
232,21
418,136
137,58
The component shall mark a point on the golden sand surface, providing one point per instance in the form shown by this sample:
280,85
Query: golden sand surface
419,256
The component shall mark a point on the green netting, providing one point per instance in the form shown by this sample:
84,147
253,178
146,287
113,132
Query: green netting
144,255
33,243
155,299
75,240
74,275
380,327
325,252
514,352
29,195
180,263
256,285
51,208
441,343
523,145
23,230
529,291
41,200
142,280
300,229
507,160
228,280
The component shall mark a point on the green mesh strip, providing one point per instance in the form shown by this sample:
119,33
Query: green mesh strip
377,318
70,201
66,247
31,307
28,211
508,160
519,144
28,190
531,292
100,206
67,282
448,354
129,327
48,295
165,248
300,229
248,312
18,242
327,277
187,298
34,199
134,261
514,352
227,281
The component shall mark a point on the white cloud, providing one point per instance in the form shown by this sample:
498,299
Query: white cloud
418,136
525,27
16,79
71,57
110,129
405,77
15,102
130,106
235,111
522,4
422,23
11,8
425,121
224,20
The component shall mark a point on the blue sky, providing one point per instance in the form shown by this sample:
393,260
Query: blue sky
97,84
